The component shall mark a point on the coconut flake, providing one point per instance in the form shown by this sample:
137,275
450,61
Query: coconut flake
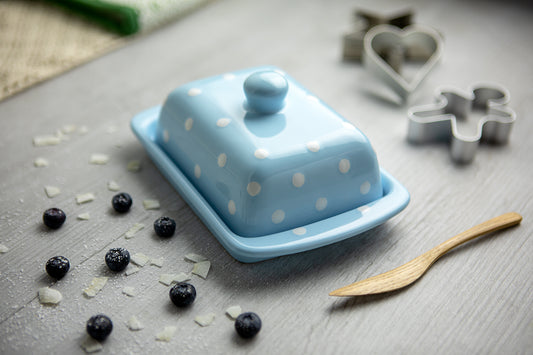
84,198
157,262
131,270
234,311
134,324
151,204
96,286
201,269
134,165
168,279
83,130
166,334
40,162
195,258
99,159
49,296
67,129
113,186
140,259
129,291
91,345
52,191
3,249
44,140
84,216
133,230
205,319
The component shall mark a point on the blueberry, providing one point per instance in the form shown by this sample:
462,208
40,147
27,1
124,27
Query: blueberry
182,294
117,259
122,202
57,267
165,227
54,218
99,327
248,324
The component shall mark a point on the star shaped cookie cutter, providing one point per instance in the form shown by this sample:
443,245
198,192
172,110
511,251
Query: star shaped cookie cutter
438,122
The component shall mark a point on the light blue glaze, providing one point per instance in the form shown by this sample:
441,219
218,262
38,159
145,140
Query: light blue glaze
266,154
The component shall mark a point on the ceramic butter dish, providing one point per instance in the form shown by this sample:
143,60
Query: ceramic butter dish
269,168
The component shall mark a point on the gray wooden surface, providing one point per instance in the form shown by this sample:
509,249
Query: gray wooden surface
477,299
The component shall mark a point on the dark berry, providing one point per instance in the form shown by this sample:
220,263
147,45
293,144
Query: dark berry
99,327
54,218
182,294
248,324
117,259
57,267
122,202
165,227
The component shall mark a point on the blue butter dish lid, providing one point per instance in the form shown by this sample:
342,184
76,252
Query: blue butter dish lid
268,167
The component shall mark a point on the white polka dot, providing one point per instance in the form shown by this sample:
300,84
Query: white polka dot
197,171
261,153
231,207
222,160
229,76
344,166
188,123
312,98
321,203
298,179
313,146
278,216
253,188
365,188
223,122
363,209
194,92
166,136
299,231
348,125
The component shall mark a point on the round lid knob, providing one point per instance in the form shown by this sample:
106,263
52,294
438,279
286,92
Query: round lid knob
265,92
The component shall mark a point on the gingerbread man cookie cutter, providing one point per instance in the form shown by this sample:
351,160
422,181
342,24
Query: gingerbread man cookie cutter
439,121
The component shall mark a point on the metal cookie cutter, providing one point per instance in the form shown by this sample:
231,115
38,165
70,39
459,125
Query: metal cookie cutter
364,21
438,122
386,47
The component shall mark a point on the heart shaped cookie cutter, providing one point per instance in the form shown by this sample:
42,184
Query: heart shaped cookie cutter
386,47
438,121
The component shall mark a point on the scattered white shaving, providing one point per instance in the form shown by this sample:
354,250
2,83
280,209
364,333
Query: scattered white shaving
134,165
68,129
157,262
84,216
52,191
91,345
201,269
195,258
166,334
44,140
131,270
96,286
140,259
134,324
205,320
129,291
40,162
84,198
168,279
83,130
99,159
234,311
151,204
49,296
113,186
133,230
3,249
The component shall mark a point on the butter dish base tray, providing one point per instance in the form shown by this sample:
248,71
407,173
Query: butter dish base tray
253,249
